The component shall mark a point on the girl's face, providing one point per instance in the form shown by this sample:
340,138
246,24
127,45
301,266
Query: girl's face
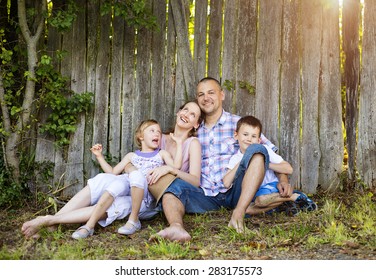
151,137
188,116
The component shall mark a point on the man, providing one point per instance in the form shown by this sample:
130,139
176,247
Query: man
216,135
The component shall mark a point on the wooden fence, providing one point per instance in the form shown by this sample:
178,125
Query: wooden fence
277,59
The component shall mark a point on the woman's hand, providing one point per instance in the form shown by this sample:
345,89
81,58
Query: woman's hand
96,149
154,175
178,141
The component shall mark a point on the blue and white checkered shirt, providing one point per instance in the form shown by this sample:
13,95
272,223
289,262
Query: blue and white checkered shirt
218,145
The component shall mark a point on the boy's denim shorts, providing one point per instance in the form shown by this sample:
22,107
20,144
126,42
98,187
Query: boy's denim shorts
194,198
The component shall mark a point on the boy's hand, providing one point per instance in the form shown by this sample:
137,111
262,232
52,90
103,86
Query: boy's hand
285,189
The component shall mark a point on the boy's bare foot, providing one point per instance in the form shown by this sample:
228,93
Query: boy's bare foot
175,232
31,228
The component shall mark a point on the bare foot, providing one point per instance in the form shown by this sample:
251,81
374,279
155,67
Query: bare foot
31,228
175,232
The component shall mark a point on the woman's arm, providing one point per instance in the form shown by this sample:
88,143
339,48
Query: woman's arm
194,175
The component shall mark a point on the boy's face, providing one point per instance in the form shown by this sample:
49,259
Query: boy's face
246,136
151,137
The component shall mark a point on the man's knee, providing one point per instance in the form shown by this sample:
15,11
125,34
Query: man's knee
261,201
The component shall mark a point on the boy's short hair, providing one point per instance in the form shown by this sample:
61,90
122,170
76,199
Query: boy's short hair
249,120
140,129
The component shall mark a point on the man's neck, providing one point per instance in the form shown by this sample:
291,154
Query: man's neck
211,120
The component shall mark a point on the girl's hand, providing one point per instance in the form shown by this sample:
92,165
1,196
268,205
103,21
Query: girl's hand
97,149
154,175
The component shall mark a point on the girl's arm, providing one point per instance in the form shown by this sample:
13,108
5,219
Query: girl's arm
230,176
97,151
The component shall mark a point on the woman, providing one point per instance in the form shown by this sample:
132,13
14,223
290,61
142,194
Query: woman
80,208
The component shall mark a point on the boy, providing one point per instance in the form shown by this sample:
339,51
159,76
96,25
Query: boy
248,131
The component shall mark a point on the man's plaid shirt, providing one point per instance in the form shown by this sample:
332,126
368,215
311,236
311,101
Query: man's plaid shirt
218,145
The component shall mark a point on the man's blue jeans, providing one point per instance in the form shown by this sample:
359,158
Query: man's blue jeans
194,198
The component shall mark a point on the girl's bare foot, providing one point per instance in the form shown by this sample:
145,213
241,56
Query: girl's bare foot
32,227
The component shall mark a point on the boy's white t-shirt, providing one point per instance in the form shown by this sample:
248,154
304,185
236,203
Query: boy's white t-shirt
269,174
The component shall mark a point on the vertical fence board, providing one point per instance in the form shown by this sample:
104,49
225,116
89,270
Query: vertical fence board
179,12
246,63
215,39
330,107
311,40
350,23
200,23
366,153
290,90
158,43
268,67
229,54
93,16
101,98
74,177
128,90
116,70
170,73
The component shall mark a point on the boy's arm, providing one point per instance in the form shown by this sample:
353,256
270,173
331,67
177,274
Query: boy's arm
283,167
230,176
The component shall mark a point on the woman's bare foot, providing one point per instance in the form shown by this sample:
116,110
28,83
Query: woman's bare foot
31,228
175,232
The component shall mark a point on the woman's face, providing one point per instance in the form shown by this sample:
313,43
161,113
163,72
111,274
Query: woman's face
189,115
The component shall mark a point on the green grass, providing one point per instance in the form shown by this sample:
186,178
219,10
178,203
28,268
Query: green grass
344,226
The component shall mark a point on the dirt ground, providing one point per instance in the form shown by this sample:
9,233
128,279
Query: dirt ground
206,243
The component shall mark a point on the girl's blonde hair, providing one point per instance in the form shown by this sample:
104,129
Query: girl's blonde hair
140,130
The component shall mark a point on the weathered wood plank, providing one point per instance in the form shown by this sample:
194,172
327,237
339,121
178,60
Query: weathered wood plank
74,175
157,57
229,54
90,169
350,27
179,12
290,90
101,99
246,58
114,133
311,46
127,129
268,67
366,152
215,39
330,107
170,73
200,32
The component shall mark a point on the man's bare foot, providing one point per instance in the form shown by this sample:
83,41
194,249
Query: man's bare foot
31,228
175,232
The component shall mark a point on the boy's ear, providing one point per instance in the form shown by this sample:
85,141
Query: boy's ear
236,135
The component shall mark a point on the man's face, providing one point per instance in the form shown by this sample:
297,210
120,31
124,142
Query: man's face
209,97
